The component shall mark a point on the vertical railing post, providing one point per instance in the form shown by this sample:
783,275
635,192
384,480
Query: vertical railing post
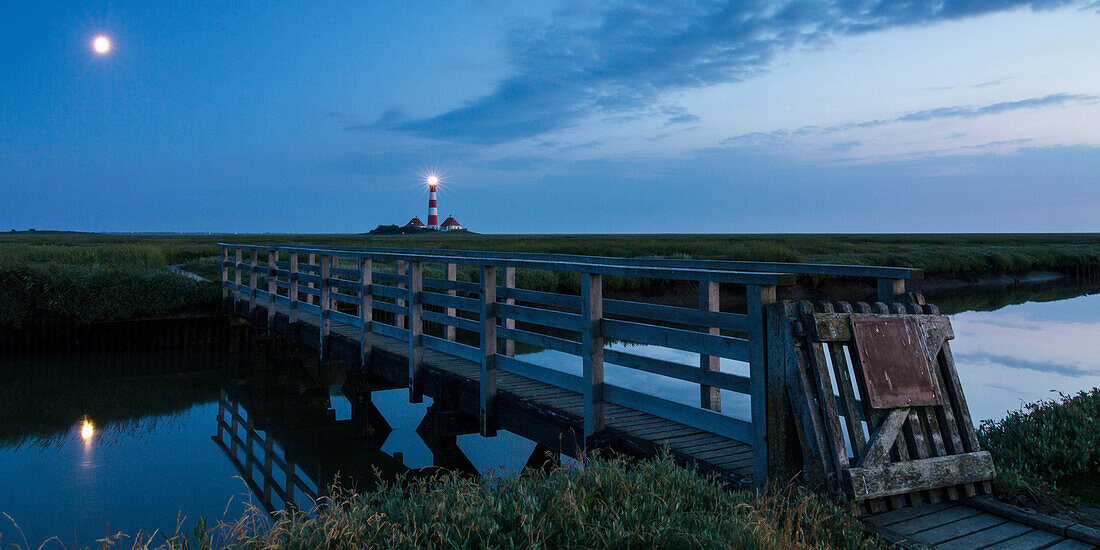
759,296
237,281
272,288
710,397
225,277
326,322
416,328
312,262
509,323
366,313
292,292
452,276
592,352
398,319
890,290
252,281
487,408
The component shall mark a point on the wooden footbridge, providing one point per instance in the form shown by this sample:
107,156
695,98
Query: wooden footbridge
860,401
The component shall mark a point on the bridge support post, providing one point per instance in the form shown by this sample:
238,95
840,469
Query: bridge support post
416,329
784,449
592,353
366,314
326,304
890,290
710,397
487,408
759,296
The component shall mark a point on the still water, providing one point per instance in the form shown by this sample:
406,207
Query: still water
84,453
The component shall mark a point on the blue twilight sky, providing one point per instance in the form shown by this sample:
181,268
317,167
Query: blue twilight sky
573,116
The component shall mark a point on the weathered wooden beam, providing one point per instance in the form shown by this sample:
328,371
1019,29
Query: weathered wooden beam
416,330
592,353
225,276
710,397
312,262
487,409
399,320
237,280
882,439
931,473
758,298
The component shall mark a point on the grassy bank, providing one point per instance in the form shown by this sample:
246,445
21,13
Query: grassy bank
98,276
607,504
1048,452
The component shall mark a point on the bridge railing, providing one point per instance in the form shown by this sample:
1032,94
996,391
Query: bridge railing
429,308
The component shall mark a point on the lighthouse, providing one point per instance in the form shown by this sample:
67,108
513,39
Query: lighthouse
433,211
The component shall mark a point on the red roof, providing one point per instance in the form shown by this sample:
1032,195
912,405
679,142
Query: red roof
415,222
451,221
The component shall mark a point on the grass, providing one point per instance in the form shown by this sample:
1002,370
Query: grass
609,503
1047,447
99,276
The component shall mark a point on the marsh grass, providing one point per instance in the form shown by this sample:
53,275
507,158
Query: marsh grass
1042,444
609,503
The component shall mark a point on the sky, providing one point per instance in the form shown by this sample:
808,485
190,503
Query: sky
552,117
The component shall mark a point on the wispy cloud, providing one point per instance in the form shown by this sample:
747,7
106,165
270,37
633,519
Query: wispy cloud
780,136
624,55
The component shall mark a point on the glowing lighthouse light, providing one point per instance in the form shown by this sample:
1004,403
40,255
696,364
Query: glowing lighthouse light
433,209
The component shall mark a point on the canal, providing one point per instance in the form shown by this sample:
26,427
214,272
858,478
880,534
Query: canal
93,446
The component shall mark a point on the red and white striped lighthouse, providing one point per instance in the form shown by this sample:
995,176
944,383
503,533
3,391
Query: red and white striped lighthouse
433,211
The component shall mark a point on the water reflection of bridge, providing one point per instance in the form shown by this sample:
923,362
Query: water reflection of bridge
290,449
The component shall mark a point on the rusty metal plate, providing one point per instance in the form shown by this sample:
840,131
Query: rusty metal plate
894,359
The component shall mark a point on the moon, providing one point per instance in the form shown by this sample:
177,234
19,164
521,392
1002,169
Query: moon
101,45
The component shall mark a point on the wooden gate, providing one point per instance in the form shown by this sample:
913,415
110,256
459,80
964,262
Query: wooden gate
876,402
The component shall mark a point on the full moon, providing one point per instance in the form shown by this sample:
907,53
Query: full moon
101,45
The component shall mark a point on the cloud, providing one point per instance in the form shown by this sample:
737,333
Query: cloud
622,56
781,136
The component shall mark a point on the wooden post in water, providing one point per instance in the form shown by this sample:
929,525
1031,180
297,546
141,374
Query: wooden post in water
710,397
366,313
416,329
451,275
272,289
488,391
592,352
326,290
509,323
758,298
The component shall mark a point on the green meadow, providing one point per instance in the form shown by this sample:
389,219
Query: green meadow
91,276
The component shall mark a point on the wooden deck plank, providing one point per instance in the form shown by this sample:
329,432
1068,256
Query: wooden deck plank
1032,540
987,537
957,529
934,520
891,517
1071,544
